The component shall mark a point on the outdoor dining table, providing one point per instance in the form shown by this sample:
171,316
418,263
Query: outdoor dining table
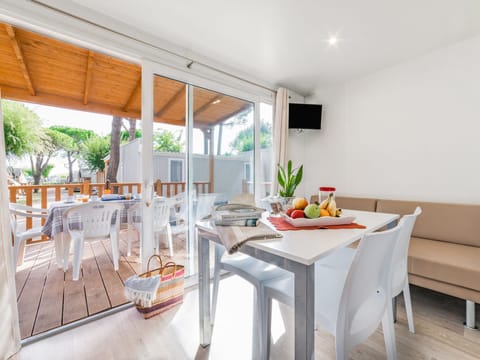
53,226
297,251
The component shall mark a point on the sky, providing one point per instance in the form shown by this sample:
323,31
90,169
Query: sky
100,124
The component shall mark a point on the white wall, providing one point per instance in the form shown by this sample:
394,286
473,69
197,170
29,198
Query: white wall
407,132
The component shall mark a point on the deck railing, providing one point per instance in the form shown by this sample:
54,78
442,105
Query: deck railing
43,195
173,188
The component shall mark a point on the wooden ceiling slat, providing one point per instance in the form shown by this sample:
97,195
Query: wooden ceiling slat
173,100
19,54
134,95
88,77
203,108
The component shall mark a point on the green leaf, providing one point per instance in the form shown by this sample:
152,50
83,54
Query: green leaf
289,180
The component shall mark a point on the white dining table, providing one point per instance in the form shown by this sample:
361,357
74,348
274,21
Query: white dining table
297,251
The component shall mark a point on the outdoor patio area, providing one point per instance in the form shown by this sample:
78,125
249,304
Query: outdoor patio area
48,298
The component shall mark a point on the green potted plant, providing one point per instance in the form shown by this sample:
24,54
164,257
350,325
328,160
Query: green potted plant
288,179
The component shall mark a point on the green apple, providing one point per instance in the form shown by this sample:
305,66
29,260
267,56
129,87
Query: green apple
312,211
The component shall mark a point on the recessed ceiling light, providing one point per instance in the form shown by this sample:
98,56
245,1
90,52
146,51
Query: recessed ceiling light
332,40
216,101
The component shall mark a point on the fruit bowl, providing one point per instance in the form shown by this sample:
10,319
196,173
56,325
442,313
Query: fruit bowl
320,221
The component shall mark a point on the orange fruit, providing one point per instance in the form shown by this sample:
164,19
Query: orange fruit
324,212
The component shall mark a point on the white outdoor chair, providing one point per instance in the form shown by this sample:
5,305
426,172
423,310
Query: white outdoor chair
89,222
349,302
161,223
180,208
20,213
205,203
342,258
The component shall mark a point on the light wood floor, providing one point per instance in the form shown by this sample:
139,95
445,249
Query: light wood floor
48,298
174,334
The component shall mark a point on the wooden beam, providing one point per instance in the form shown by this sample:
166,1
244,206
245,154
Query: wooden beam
19,55
233,113
88,77
171,102
134,94
204,107
17,94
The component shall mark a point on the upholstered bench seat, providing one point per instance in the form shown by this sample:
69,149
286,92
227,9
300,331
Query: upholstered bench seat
447,262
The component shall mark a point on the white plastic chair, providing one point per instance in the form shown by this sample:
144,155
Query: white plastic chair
161,223
18,212
400,270
255,272
342,258
205,203
350,302
179,206
89,222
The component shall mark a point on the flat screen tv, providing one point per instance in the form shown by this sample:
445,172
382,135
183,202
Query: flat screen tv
304,116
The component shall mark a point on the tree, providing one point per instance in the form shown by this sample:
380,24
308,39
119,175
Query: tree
72,148
94,151
52,141
114,149
22,128
244,139
167,141
125,136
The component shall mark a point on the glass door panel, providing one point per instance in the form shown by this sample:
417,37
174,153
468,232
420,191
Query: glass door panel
223,145
169,161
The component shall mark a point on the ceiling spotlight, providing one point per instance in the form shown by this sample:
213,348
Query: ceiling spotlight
216,102
332,40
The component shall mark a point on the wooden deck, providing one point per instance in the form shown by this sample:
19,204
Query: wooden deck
48,298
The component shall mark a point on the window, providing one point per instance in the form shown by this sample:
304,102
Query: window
175,170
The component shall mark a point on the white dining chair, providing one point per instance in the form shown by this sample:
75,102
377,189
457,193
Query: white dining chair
342,258
89,222
161,223
256,272
180,208
400,270
20,213
205,203
351,302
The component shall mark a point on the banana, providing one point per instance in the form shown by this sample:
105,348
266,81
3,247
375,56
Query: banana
332,206
324,203
338,213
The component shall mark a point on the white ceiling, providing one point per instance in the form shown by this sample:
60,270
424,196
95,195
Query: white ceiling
283,42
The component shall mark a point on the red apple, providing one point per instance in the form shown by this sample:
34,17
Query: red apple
289,211
298,214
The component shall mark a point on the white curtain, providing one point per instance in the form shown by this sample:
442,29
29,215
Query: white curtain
280,134
9,328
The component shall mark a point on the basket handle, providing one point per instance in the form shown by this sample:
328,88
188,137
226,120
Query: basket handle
150,259
169,264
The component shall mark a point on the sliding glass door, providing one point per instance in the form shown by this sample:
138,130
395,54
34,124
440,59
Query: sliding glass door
202,151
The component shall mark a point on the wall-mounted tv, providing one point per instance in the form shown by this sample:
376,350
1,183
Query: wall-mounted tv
304,116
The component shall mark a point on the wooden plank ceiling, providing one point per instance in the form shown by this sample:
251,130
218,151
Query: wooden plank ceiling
42,70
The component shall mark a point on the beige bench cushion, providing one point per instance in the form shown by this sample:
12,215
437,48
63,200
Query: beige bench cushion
450,263
456,223
353,203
